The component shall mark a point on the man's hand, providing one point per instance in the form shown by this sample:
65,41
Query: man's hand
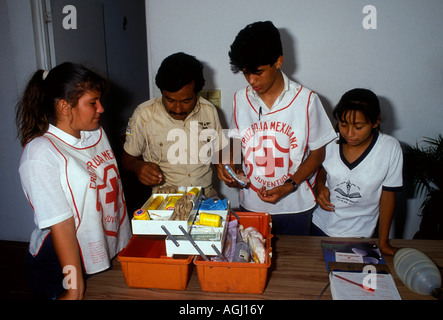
148,173
275,194
227,178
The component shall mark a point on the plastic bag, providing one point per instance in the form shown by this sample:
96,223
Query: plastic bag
257,243
210,204
230,241
251,232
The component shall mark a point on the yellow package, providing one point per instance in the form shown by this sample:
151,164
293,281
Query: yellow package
210,220
171,202
141,214
156,203
194,191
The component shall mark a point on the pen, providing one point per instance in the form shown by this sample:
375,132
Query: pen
355,283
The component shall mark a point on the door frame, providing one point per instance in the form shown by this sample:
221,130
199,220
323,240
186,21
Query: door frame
43,34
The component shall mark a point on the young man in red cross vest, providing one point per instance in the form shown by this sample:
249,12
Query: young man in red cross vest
283,129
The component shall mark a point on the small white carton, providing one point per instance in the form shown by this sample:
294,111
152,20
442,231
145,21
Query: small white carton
209,240
159,223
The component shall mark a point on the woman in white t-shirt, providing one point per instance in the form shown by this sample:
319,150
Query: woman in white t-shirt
70,177
361,172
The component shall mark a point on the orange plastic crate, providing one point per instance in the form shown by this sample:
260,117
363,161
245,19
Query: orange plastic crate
145,265
238,277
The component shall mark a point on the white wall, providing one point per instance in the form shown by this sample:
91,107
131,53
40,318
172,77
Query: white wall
326,49
17,62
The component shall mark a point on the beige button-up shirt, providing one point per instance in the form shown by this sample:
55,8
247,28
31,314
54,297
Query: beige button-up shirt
182,149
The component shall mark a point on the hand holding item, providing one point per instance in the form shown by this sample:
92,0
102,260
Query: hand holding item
275,194
149,173
232,179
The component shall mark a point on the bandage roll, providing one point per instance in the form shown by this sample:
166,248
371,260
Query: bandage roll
210,220
141,214
156,203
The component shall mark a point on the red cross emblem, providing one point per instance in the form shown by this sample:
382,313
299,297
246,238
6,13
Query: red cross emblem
110,194
269,160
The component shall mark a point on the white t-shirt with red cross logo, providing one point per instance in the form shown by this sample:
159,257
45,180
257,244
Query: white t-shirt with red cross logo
276,141
63,176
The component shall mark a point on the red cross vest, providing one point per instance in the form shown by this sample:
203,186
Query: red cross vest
94,191
275,142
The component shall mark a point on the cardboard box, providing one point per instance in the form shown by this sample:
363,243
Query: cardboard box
238,277
145,265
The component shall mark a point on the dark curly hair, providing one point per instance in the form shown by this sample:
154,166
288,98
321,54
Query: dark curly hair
258,44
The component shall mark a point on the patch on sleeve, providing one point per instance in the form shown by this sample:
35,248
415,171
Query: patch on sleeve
129,128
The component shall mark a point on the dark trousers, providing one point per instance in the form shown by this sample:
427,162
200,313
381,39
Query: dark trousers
291,223
316,231
44,272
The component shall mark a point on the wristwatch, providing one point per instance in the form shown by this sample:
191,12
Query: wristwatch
294,184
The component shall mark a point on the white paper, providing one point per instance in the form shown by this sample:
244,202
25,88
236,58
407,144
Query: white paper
383,285
348,257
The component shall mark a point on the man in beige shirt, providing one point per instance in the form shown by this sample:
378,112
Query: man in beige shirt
172,140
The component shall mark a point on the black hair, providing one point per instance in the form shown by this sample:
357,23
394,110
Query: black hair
258,44
178,70
358,99
36,109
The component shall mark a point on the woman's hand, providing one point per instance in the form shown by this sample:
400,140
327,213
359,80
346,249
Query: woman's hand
66,247
323,198
386,248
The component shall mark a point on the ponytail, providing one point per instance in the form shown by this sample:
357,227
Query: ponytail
36,109
32,118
